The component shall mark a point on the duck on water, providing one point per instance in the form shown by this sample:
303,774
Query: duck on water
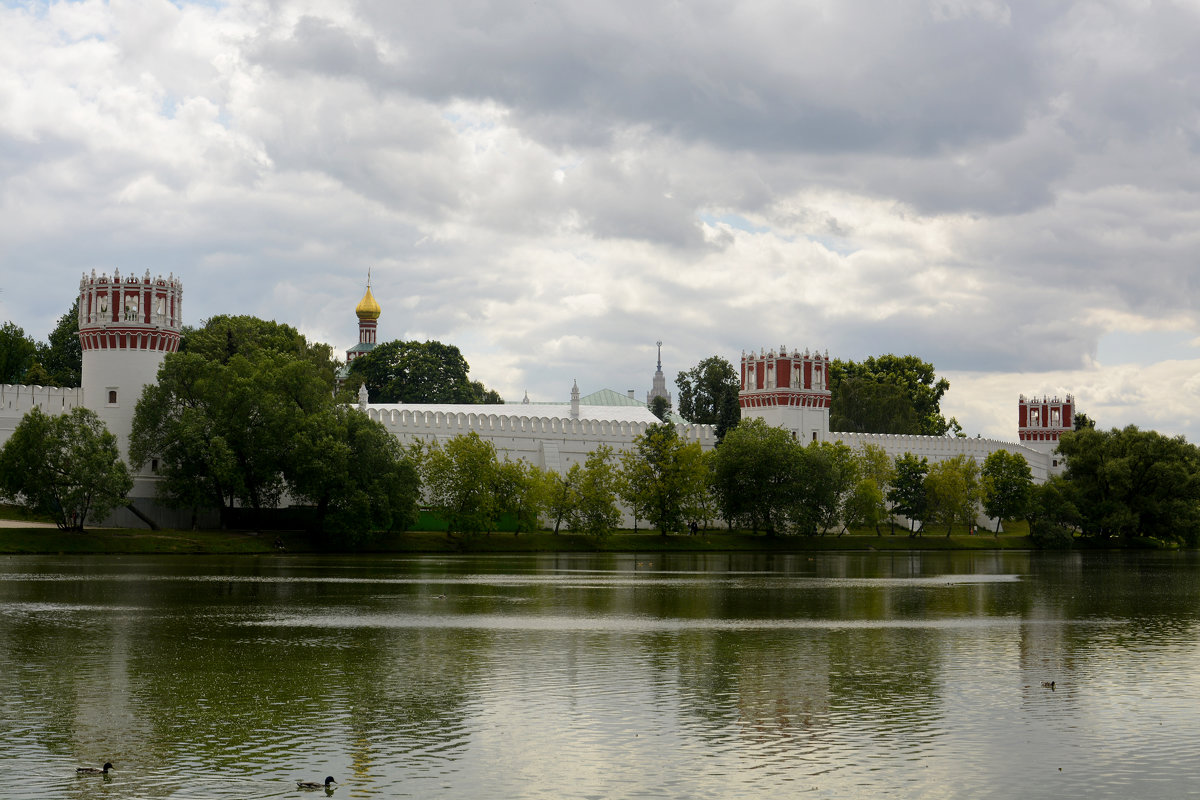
315,785
95,770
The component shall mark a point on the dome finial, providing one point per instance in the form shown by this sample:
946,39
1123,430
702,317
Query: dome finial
367,308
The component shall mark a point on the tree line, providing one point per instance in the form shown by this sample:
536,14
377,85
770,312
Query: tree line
245,415
58,361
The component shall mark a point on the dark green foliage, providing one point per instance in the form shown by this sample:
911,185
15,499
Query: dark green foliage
756,477
659,407
17,353
461,478
62,355
65,466
1083,421
952,492
1007,485
419,372
1049,536
708,395
246,411
594,483
888,394
223,337
662,477
354,472
861,405
907,495
1133,483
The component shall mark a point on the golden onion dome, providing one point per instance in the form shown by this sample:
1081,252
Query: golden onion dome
367,308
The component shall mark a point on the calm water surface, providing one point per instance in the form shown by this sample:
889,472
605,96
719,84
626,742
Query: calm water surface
700,676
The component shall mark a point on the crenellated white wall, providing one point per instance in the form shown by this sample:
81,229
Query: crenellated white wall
940,448
16,401
549,442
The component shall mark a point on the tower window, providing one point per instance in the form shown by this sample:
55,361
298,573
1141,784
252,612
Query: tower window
112,397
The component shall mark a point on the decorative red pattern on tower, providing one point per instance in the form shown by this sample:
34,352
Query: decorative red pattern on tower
799,380
130,313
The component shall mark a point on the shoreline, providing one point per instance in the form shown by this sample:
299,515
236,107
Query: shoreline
24,538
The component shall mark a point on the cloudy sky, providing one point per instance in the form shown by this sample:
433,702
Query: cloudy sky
1008,190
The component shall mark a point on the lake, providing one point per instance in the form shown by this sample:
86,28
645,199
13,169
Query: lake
605,676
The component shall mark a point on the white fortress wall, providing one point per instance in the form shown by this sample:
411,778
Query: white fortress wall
17,400
547,442
941,448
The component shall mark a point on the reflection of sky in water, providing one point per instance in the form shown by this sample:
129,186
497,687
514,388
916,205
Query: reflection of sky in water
850,676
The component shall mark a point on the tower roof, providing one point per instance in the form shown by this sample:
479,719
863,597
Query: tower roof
367,308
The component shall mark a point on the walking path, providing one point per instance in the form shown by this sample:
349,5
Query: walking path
21,523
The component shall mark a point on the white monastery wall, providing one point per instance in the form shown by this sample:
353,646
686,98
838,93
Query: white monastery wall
16,401
548,442
941,448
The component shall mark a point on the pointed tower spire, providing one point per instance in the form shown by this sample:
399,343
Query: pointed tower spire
574,399
659,386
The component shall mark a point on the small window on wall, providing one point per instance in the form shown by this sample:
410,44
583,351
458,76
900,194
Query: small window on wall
112,397
154,465
814,436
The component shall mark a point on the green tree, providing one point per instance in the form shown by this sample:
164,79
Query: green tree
66,466
226,411
661,476
868,403
418,372
907,495
595,510
756,476
868,506
838,476
1053,515
17,353
660,407
1134,483
518,493
460,478
708,395
862,405
62,355
952,492
1083,421
354,472
223,337
558,495
1007,486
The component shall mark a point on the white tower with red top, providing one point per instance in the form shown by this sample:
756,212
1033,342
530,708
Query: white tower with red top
126,326
788,389
1041,421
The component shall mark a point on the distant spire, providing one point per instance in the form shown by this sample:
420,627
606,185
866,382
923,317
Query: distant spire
659,384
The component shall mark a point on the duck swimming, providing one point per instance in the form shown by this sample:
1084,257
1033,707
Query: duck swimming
93,770
314,784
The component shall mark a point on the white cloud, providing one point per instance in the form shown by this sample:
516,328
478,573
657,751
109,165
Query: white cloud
1008,190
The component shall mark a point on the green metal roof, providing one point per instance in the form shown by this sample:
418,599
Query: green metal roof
607,397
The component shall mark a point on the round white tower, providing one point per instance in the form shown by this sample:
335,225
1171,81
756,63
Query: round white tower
126,326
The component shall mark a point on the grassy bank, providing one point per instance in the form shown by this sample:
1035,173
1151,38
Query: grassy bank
131,542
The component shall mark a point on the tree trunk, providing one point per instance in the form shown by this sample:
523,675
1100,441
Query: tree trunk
134,510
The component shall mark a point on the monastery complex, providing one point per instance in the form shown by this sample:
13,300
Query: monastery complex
128,324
